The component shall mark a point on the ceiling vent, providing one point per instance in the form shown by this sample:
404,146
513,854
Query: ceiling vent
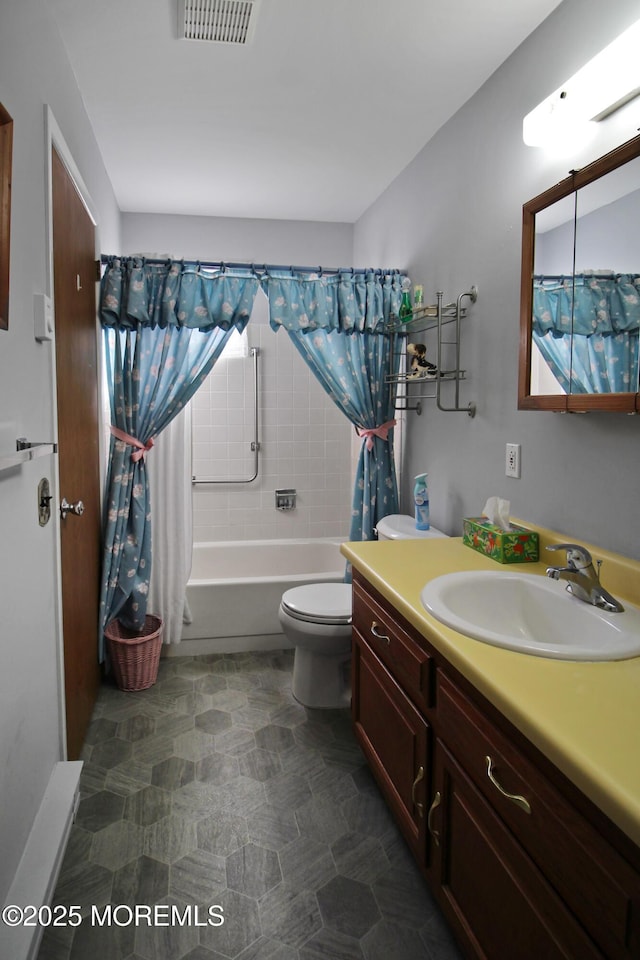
218,21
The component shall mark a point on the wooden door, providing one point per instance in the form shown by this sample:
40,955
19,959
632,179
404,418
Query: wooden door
78,447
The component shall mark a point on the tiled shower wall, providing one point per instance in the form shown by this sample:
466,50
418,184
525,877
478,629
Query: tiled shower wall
305,443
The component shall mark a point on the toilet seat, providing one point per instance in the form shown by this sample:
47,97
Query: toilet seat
319,603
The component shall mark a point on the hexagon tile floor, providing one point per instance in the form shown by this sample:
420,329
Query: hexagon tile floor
215,788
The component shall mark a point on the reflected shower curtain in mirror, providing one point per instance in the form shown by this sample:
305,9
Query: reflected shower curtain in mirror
339,325
164,327
586,328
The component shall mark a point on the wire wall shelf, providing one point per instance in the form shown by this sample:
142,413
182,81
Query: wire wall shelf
445,320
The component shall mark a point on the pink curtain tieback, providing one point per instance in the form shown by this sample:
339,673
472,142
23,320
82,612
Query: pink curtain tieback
372,432
127,438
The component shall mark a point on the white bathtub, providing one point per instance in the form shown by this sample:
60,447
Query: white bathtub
235,588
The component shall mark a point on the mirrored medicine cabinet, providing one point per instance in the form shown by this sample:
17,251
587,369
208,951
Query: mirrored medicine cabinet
580,290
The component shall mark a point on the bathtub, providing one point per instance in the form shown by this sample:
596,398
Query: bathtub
234,591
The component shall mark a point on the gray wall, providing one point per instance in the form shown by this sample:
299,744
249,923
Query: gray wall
607,239
452,219
33,71
273,241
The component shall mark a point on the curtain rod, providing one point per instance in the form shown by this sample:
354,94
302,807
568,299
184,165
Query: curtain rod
583,275
221,264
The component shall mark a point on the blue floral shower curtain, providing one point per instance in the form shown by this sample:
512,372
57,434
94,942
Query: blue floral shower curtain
164,326
339,325
586,328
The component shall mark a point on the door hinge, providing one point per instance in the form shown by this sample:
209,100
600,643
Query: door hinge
98,270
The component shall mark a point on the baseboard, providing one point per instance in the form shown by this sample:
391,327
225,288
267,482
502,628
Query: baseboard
35,880
198,647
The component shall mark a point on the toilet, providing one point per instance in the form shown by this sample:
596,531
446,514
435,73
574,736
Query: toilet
400,526
316,619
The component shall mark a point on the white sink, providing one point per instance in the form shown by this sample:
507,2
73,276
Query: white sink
531,614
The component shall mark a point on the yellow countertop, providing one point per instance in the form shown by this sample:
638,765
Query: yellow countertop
583,716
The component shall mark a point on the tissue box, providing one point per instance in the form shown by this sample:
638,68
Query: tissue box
516,545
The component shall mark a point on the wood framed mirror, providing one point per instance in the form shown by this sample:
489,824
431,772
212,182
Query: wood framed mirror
580,290
6,152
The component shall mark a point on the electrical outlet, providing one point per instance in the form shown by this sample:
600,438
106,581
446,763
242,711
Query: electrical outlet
512,460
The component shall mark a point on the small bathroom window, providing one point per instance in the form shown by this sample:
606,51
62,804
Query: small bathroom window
236,346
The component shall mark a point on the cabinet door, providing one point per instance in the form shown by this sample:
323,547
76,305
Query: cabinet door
494,896
597,884
394,737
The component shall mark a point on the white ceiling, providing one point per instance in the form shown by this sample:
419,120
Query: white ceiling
310,121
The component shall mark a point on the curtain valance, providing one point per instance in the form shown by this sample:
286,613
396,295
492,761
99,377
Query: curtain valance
348,301
586,304
135,293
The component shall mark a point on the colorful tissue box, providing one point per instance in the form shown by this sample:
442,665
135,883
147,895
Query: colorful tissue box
516,545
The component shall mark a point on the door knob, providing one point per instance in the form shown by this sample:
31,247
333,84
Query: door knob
75,508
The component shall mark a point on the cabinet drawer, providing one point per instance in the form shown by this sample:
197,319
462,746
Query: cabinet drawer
588,874
404,658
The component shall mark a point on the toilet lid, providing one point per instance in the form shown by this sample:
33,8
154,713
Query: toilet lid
319,602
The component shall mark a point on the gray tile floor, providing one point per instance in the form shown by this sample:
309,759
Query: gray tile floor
215,788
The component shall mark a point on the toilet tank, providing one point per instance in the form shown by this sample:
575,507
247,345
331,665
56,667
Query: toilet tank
400,526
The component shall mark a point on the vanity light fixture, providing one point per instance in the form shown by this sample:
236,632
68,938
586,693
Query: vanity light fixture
607,82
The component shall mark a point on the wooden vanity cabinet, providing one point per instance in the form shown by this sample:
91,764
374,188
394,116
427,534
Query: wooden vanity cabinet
522,864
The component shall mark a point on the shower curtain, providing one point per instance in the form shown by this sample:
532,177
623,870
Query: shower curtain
164,327
169,472
339,324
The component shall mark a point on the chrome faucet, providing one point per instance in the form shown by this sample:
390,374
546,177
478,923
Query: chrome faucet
583,579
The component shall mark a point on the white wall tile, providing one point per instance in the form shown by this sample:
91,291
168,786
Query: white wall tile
305,443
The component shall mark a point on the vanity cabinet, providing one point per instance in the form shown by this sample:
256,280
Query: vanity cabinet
521,863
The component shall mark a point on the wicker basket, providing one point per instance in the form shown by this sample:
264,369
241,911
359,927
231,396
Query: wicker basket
135,655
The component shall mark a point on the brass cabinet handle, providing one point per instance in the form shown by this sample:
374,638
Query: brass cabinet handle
379,636
519,801
419,777
437,800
